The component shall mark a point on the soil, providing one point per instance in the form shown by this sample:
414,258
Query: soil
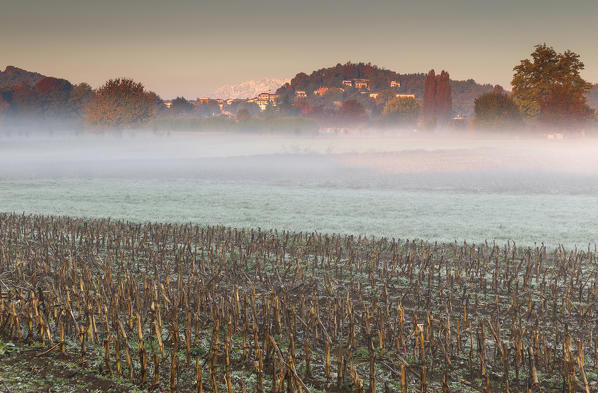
32,369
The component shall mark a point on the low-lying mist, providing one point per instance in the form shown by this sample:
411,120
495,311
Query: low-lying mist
407,160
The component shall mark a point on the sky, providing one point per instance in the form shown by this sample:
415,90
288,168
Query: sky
192,47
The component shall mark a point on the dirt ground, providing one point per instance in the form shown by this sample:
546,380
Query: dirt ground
25,368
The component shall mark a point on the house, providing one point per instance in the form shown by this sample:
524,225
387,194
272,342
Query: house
264,100
262,104
361,83
321,91
395,84
459,122
272,98
300,94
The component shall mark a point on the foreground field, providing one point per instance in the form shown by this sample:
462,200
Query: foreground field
162,307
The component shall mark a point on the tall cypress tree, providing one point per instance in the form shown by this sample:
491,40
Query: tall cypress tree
430,98
443,98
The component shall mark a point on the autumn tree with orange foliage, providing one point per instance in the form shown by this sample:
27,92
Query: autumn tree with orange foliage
303,107
52,97
352,112
121,103
549,88
564,108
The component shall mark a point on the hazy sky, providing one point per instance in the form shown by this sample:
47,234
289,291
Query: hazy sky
191,47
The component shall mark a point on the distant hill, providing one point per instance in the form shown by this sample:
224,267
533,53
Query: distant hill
463,92
13,76
249,89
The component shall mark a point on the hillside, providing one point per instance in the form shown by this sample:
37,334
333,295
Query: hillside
13,76
463,92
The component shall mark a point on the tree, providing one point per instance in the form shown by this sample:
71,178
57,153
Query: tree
564,108
592,97
79,99
430,98
351,111
496,110
437,99
380,101
385,96
443,101
24,102
209,108
121,103
243,114
181,105
404,110
52,97
303,107
535,80
3,107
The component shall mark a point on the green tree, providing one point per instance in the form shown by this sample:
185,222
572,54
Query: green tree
380,101
181,105
535,79
80,98
385,96
496,110
121,103
404,110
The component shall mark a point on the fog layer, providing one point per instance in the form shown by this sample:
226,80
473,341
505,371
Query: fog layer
437,187
421,162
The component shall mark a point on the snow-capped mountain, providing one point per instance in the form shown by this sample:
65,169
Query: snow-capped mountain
249,89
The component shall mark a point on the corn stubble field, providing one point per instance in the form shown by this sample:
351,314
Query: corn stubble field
186,308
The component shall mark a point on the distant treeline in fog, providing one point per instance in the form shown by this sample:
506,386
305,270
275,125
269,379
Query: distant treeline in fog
547,94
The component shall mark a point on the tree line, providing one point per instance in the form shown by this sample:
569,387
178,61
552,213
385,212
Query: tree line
119,102
548,92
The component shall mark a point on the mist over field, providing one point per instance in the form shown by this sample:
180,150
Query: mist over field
436,186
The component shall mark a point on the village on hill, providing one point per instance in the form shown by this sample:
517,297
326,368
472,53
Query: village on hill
269,100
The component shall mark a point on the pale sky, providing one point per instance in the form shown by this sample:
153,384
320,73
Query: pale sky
192,47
